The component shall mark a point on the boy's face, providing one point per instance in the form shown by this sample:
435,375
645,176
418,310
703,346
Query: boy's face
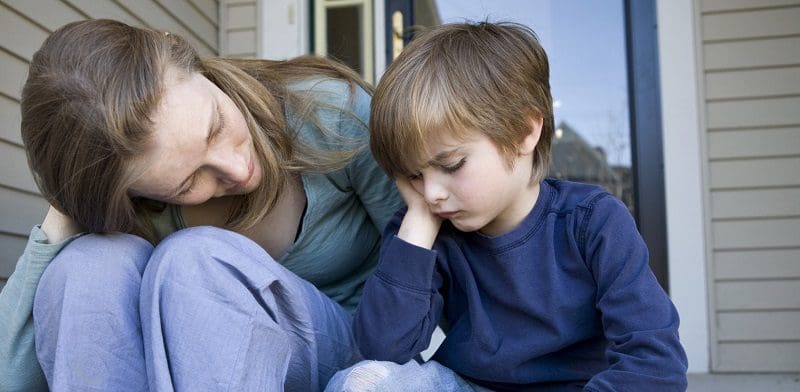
473,185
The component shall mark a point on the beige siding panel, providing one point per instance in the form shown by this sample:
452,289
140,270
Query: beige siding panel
241,16
52,14
157,18
777,172
192,19
105,10
9,121
20,211
731,5
758,295
774,112
753,24
759,357
752,54
13,74
12,246
757,264
754,143
241,42
760,326
209,8
755,203
14,171
757,233
18,35
753,83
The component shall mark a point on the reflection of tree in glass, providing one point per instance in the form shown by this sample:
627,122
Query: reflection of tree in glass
574,159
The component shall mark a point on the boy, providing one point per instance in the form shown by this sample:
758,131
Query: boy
543,284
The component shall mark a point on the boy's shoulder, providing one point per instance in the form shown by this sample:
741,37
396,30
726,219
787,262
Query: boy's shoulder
570,195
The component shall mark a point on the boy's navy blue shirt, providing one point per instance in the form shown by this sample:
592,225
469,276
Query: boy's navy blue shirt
566,298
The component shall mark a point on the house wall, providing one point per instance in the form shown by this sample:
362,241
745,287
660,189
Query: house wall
751,81
24,25
683,143
239,32
731,93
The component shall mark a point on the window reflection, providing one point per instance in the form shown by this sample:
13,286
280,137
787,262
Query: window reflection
585,43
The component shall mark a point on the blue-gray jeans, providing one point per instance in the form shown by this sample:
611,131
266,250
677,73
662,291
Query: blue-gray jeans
207,309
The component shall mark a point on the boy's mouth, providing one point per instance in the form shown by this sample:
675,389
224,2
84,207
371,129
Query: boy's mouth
446,214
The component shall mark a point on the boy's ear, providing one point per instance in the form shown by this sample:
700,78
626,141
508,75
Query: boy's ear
532,138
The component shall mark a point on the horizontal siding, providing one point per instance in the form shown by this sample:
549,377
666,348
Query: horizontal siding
708,6
20,211
773,112
241,16
9,121
106,10
156,16
193,20
751,24
14,171
753,83
749,173
13,75
757,233
18,35
758,295
757,264
762,326
12,246
209,8
777,357
754,143
755,203
238,28
771,52
51,14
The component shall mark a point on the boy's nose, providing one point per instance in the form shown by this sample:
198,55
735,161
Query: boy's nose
434,192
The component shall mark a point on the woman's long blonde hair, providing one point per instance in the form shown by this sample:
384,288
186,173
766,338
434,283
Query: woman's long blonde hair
86,112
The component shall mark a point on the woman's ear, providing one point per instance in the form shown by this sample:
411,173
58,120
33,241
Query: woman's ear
530,141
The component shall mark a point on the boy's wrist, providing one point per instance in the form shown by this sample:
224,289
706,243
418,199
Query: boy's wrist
419,228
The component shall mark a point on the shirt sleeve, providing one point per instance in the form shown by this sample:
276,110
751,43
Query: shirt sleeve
374,188
638,318
19,368
401,304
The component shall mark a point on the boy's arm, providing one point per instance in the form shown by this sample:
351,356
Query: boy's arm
401,304
19,368
638,318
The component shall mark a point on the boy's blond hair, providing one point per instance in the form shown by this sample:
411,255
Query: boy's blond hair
463,77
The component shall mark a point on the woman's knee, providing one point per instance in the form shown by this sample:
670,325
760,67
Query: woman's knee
96,264
206,256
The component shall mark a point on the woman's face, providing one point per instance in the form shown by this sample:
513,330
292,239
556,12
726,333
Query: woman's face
200,146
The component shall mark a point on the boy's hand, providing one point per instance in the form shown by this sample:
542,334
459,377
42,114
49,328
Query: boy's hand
420,225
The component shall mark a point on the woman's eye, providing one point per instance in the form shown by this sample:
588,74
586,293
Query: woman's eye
220,125
185,191
414,177
454,168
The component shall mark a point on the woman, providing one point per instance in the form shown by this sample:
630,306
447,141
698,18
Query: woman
127,130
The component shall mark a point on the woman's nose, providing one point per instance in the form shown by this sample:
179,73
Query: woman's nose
230,167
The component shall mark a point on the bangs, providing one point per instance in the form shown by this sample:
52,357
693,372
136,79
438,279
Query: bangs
432,109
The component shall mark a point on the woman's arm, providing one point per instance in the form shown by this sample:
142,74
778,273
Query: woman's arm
19,369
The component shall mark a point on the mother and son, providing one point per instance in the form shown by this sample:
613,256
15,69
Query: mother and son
228,224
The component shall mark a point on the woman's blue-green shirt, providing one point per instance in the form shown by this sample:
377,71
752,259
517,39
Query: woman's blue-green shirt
336,250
